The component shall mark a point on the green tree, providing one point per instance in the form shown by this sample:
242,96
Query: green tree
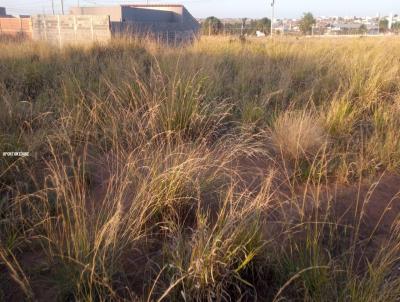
264,25
396,27
383,26
306,23
212,26
363,29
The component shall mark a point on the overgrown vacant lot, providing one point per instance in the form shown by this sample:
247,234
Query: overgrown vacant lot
224,171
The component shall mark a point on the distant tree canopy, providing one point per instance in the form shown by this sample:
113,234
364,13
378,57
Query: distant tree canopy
212,25
396,27
383,25
264,25
363,29
306,23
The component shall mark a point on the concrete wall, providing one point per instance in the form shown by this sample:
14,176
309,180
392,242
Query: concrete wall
190,22
16,26
157,19
174,11
64,30
137,14
149,20
114,12
153,16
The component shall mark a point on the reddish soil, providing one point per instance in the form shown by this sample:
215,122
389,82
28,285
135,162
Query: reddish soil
376,206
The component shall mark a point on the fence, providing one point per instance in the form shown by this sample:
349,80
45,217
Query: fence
63,30
162,33
16,26
174,38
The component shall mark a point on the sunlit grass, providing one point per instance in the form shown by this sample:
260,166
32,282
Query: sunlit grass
224,170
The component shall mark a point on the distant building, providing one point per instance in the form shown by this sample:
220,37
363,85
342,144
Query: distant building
353,28
260,34
165,21
3,13
390,24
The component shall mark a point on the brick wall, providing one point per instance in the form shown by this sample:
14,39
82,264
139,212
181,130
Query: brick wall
16,26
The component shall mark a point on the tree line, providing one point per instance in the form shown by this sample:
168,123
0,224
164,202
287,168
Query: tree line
214,26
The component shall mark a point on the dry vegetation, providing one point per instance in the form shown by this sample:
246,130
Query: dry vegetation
224,171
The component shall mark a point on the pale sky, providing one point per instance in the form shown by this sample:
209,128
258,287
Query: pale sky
231,8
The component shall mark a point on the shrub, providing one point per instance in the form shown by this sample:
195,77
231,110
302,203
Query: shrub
298,134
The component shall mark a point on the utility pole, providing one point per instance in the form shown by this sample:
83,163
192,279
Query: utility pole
52,6
273,17
62,6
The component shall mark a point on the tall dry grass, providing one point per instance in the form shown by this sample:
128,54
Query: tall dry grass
220,171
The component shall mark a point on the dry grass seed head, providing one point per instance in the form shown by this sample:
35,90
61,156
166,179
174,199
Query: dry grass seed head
298,134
